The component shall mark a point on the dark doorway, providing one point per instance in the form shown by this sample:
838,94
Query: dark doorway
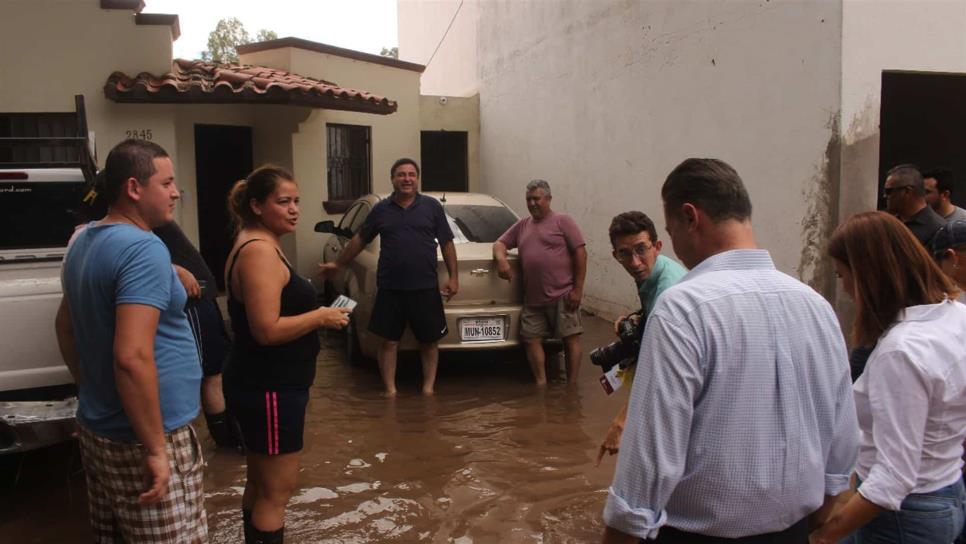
223,155
444,161
923,121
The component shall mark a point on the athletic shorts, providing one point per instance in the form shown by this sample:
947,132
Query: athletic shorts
271,422
115,477
422,310
211,338
551,321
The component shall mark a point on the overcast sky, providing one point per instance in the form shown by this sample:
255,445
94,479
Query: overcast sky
363,25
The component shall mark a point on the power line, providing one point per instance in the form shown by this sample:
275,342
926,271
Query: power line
431,57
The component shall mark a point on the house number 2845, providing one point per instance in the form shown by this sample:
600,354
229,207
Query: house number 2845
141,134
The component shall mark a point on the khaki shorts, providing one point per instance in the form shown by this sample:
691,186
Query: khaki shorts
551,321
114,481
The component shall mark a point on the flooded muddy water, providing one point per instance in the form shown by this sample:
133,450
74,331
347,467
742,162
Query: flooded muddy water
490,458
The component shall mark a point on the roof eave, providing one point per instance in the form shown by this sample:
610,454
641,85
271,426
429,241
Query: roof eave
308,45
164,96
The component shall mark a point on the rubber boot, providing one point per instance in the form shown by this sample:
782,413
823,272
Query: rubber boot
219,427
267,537
247,524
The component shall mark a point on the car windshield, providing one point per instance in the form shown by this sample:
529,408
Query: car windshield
478,223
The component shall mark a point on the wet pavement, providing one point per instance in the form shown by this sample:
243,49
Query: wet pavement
490,458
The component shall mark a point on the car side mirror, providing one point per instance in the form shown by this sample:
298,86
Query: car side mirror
325,227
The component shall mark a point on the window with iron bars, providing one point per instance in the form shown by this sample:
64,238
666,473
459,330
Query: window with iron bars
349,165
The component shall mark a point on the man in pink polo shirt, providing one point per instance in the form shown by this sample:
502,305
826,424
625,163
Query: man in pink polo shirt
554,264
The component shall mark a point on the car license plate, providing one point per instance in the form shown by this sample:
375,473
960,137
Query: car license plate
481,329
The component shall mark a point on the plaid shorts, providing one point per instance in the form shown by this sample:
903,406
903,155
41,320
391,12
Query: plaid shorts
115,479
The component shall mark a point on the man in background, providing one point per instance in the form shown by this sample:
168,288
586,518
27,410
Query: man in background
410,226
905,195
553,260
939,184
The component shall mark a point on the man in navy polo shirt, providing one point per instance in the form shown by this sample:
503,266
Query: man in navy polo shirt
409,226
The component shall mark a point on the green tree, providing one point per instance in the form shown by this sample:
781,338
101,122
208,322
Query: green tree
394,52
265,35
228,34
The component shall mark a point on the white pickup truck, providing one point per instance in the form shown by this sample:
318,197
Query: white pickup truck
46,169
38,211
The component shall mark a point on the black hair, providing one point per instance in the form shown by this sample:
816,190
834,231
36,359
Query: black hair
631,223
944,179
711,185
129,159
400,162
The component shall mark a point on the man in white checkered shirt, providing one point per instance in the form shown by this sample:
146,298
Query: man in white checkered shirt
741,424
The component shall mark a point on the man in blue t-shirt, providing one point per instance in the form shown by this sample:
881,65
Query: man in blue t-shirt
636,247
125,337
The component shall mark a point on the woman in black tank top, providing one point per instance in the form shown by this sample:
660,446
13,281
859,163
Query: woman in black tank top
272,362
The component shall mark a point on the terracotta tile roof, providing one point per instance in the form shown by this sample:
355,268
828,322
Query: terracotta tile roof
200,82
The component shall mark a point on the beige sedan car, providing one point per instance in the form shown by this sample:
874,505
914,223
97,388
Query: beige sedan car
484,314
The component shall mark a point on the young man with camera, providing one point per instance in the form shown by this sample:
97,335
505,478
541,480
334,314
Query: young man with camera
635,245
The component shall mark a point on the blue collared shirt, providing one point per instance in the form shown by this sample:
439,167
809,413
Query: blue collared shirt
408,241
741,417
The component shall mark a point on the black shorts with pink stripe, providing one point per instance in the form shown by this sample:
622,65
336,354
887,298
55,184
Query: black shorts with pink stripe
272,422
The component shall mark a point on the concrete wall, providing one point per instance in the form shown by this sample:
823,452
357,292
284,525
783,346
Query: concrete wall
422,25
604,98
456,114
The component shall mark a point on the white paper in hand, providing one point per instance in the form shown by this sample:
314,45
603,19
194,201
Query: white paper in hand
610,381
344,302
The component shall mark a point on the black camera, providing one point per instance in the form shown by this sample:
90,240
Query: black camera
629,332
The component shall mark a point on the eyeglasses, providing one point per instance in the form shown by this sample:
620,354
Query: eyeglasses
888,190
639,251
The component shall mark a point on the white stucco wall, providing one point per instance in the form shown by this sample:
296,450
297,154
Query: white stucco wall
422,26
604,98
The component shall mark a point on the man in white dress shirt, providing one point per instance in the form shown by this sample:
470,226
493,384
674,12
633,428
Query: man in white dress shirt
741,421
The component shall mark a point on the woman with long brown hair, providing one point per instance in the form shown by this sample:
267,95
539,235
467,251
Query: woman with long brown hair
910,400
275,318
